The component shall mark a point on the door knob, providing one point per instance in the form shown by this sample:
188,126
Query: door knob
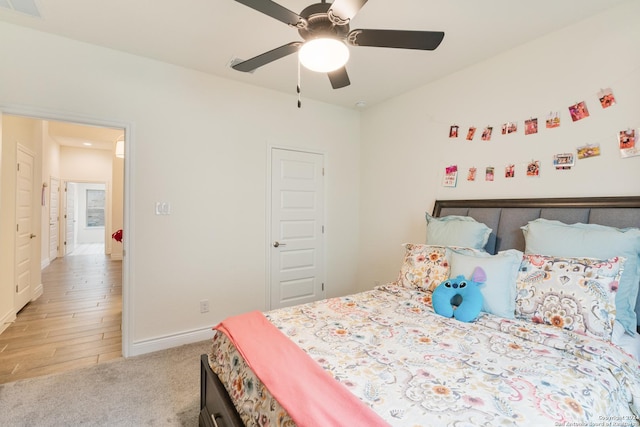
276,244
31,236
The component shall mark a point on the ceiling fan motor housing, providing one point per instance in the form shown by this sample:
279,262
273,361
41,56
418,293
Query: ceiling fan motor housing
319,24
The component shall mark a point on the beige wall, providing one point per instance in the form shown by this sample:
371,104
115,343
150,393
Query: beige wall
85,165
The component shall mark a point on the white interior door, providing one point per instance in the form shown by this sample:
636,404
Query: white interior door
24,227
70,218
54,218
297,228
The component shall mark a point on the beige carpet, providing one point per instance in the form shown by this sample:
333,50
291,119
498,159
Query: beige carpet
156,389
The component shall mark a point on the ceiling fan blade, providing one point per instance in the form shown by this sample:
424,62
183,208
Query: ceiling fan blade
423,40
267,57
339,78
342,11
276,11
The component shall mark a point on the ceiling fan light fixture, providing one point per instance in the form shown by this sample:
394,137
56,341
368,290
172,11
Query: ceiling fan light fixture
323,54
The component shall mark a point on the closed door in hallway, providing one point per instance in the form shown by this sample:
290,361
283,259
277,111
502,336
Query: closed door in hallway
24,226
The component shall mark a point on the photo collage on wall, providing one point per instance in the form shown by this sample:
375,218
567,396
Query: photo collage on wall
626,141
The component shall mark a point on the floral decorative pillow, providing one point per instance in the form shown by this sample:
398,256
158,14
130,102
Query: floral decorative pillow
424,267
550,237
577,294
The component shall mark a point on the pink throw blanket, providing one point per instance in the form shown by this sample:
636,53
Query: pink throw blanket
309,394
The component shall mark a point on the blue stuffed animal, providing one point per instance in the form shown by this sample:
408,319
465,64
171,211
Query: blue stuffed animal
460,292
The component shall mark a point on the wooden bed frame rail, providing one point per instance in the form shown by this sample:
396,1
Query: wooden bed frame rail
216,407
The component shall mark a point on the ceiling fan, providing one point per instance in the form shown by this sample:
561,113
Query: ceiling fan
324,27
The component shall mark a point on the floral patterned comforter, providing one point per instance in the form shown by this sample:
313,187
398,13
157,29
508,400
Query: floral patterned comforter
416,368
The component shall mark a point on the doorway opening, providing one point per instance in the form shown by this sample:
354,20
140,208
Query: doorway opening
85,218
79,201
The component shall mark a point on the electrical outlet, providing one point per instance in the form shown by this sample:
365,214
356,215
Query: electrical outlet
204,306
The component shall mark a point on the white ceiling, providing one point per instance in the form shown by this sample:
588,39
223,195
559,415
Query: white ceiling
76,135
206,35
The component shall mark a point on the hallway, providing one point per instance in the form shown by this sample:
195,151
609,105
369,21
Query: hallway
75,323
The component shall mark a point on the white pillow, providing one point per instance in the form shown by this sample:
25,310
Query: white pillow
454,230
499,291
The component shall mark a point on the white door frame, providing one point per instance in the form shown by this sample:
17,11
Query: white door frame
69,244
269,240
128,200
54,182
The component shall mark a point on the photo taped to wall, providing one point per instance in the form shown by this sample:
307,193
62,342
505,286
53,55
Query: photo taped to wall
471,176
471,133
530,126
627,141
553,120
486,133
606,98
450,176
510,171
563,161
587,151
489,173
578,111
533,168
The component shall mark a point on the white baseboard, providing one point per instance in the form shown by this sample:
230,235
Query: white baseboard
6,320
169,341
37,292
44,263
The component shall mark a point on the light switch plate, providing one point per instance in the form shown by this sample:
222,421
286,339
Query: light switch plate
163,208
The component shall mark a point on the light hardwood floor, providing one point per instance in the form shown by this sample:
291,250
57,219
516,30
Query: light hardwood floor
75,323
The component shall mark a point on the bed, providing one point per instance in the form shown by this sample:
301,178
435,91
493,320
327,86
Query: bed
556,342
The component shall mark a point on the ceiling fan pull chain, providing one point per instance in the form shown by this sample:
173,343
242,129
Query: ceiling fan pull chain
298,86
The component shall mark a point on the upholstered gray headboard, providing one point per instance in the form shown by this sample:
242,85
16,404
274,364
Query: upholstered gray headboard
506,216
